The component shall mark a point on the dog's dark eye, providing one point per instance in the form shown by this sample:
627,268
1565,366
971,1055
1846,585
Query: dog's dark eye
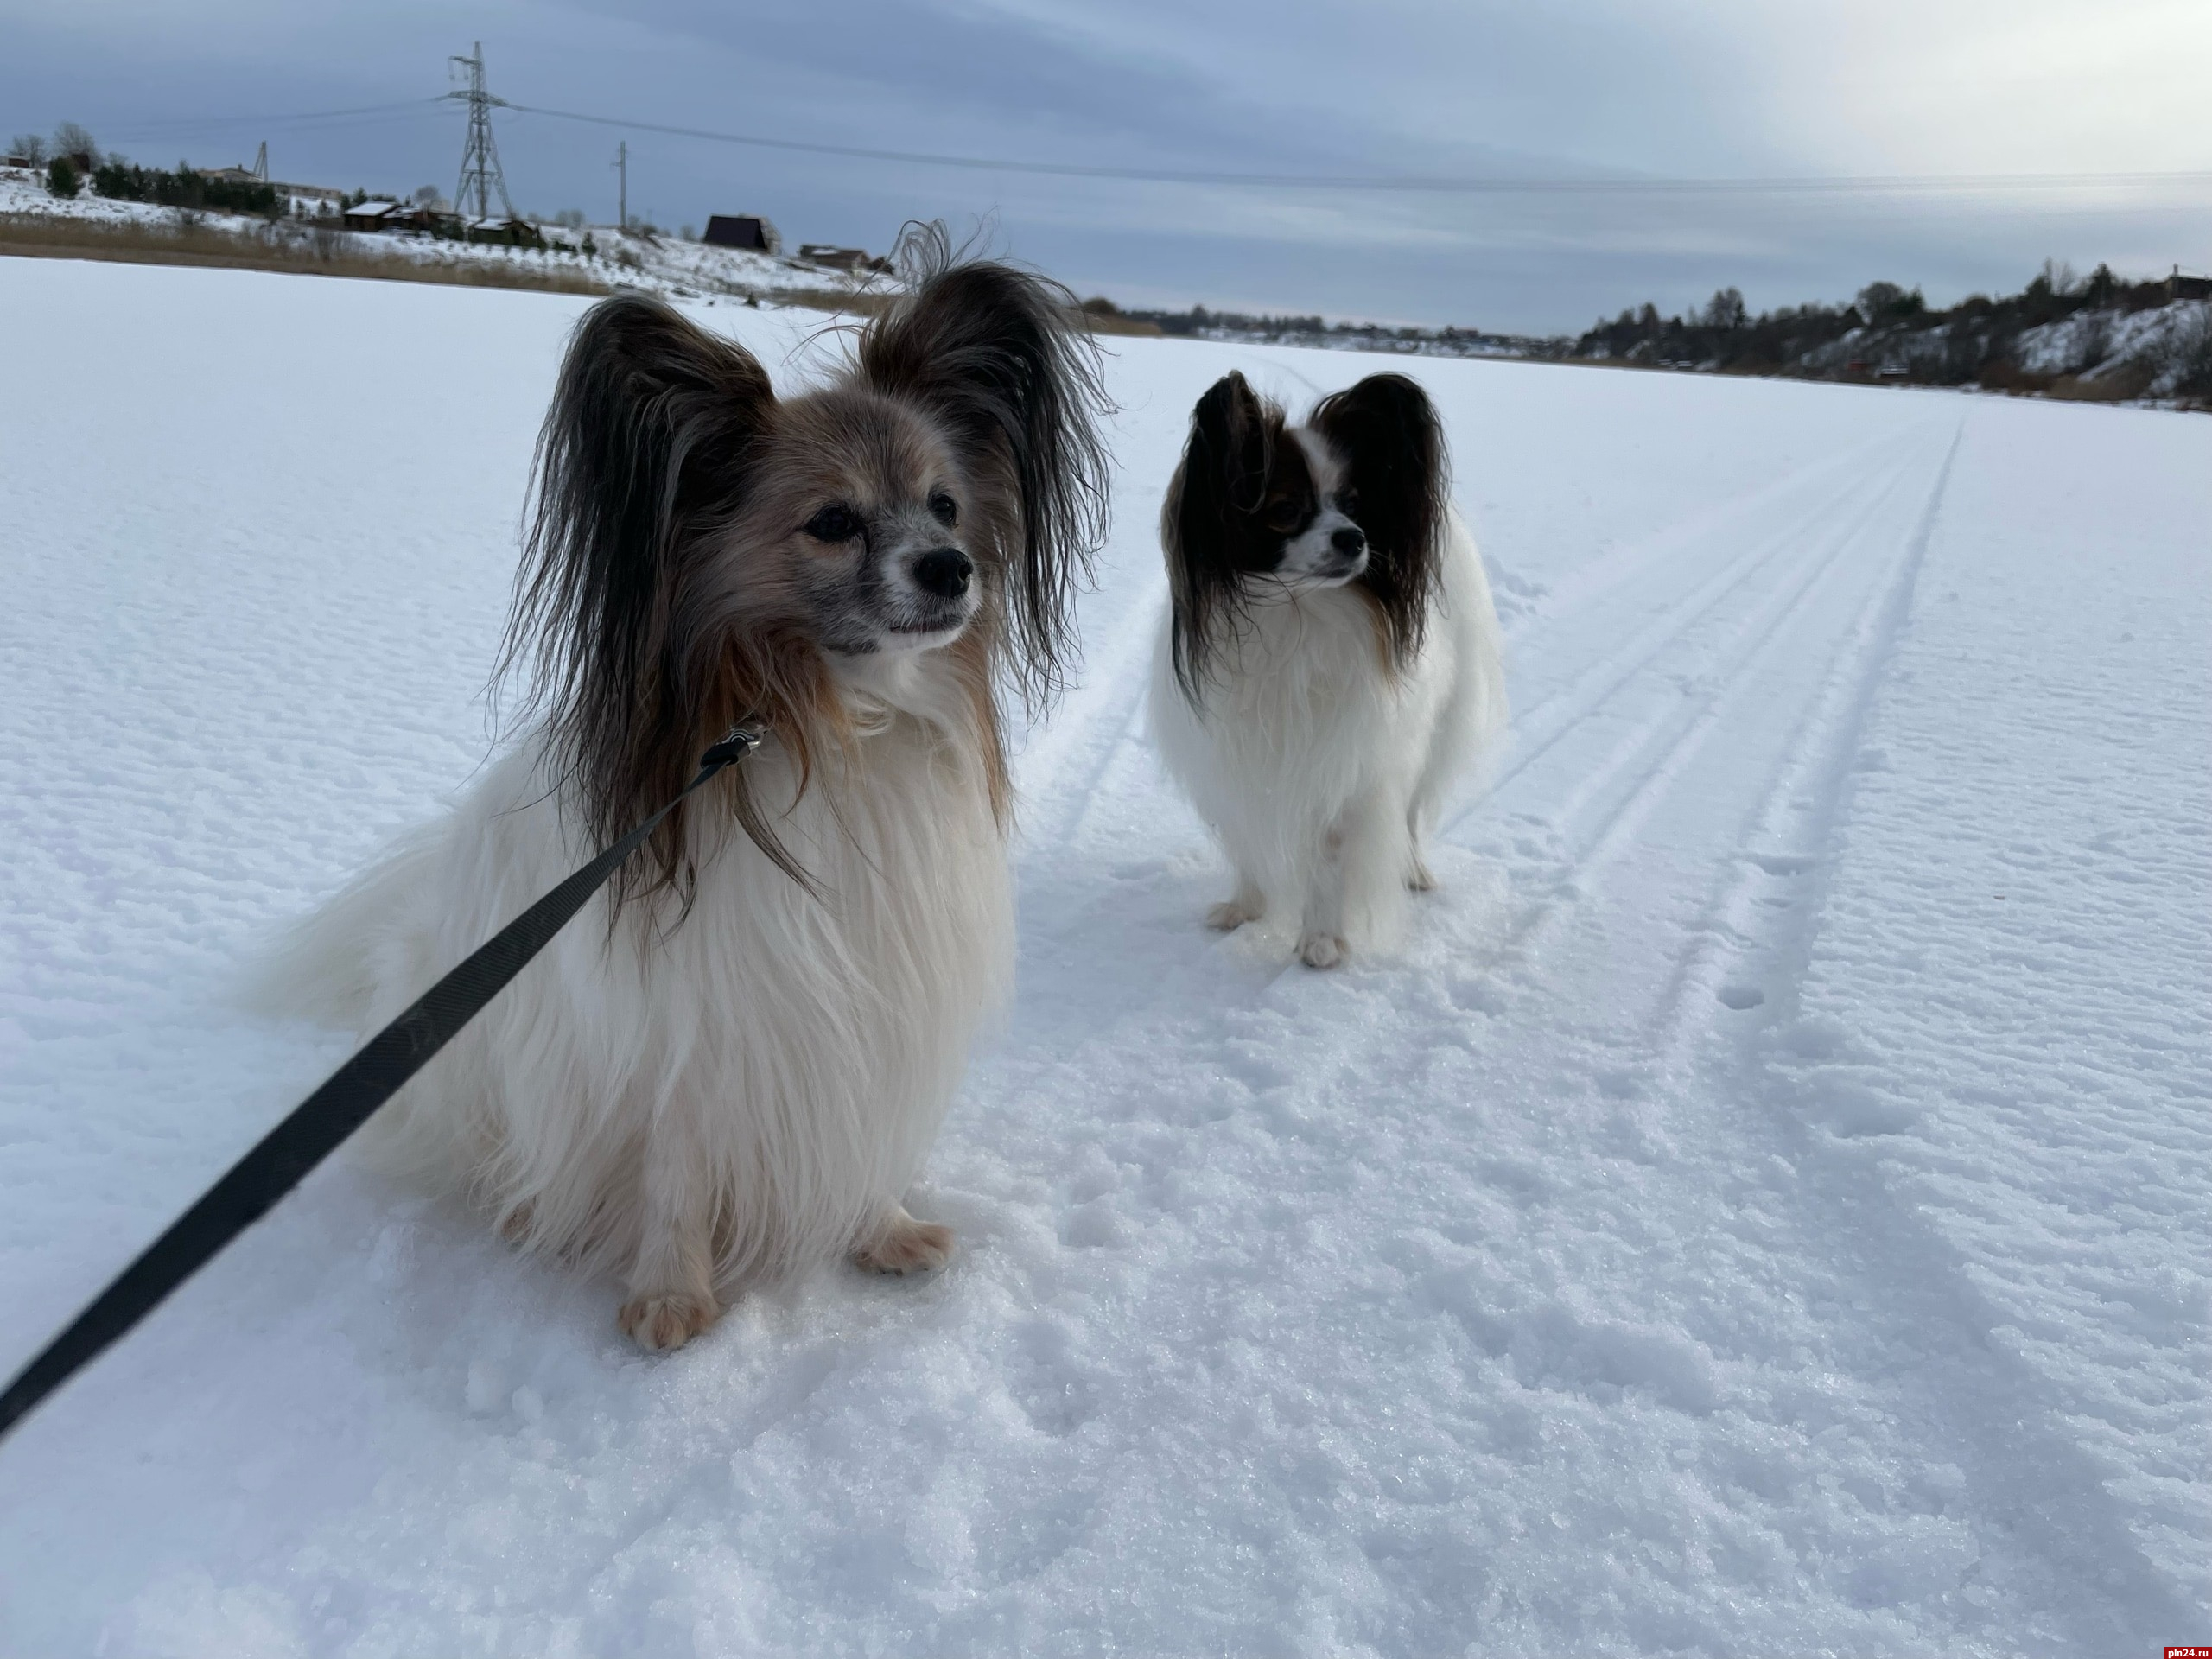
835,523
1348,503
943,509
1284,513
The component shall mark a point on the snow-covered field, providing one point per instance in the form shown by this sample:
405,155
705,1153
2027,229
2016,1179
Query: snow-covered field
1769,1209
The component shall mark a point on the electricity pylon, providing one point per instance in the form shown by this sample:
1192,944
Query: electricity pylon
479,156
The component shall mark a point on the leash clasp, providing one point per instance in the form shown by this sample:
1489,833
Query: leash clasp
736,743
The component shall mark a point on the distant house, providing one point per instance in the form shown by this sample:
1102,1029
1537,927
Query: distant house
513,232
822,253
742,231
2179,287
373,216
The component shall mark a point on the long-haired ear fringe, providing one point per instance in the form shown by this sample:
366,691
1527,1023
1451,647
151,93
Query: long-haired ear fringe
645,446
992,352
1210,500
1388,432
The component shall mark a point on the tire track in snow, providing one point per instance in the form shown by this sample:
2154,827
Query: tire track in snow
1651,757
1585,695
1736,518
1977,1402
1807,789
1677,618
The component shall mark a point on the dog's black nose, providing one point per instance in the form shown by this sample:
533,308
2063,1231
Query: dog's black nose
944,573
1350,541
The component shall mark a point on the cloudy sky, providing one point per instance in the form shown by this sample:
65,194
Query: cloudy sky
1589,93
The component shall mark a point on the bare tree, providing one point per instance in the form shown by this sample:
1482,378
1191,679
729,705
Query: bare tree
428,196
1726,309
30,146
71,139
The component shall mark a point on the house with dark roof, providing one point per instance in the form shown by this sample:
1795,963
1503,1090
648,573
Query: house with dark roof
748,230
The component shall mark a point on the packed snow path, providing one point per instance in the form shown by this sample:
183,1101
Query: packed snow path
1767,1209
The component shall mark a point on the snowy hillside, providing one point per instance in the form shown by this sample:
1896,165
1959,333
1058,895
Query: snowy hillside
1767,1211
2160,353
659,263
2101,338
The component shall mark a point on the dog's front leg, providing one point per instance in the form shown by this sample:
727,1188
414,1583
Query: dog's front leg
899,1243
673,1282
1362,862
1249,905
1321,934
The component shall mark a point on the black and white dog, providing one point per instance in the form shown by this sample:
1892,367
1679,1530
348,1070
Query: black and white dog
1330,661
734,1063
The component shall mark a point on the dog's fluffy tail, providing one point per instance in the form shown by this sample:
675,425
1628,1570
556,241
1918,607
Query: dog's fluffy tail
1471,728
338,965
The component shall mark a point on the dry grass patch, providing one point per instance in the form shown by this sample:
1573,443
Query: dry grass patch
2121,384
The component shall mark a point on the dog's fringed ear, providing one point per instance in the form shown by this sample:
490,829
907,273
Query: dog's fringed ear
1388,432
990,351
646,445
1208,518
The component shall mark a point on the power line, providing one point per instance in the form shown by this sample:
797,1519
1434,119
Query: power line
1414,183
1861,184
186,126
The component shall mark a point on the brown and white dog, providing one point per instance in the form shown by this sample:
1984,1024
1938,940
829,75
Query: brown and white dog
734,1062
1329,662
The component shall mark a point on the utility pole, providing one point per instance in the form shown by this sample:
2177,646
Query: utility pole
261,163
480,157
621,164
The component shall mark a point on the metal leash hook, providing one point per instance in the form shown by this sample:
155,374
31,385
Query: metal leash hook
736,743
321,1123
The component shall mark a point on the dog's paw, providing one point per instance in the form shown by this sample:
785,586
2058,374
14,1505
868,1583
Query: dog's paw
1420,878
1321,950
1231,914
906,1246
666,1320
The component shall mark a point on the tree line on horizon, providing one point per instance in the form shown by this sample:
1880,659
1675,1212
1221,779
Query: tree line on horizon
1973,342
1886,331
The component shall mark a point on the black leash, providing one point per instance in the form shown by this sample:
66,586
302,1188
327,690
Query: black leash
326,1117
